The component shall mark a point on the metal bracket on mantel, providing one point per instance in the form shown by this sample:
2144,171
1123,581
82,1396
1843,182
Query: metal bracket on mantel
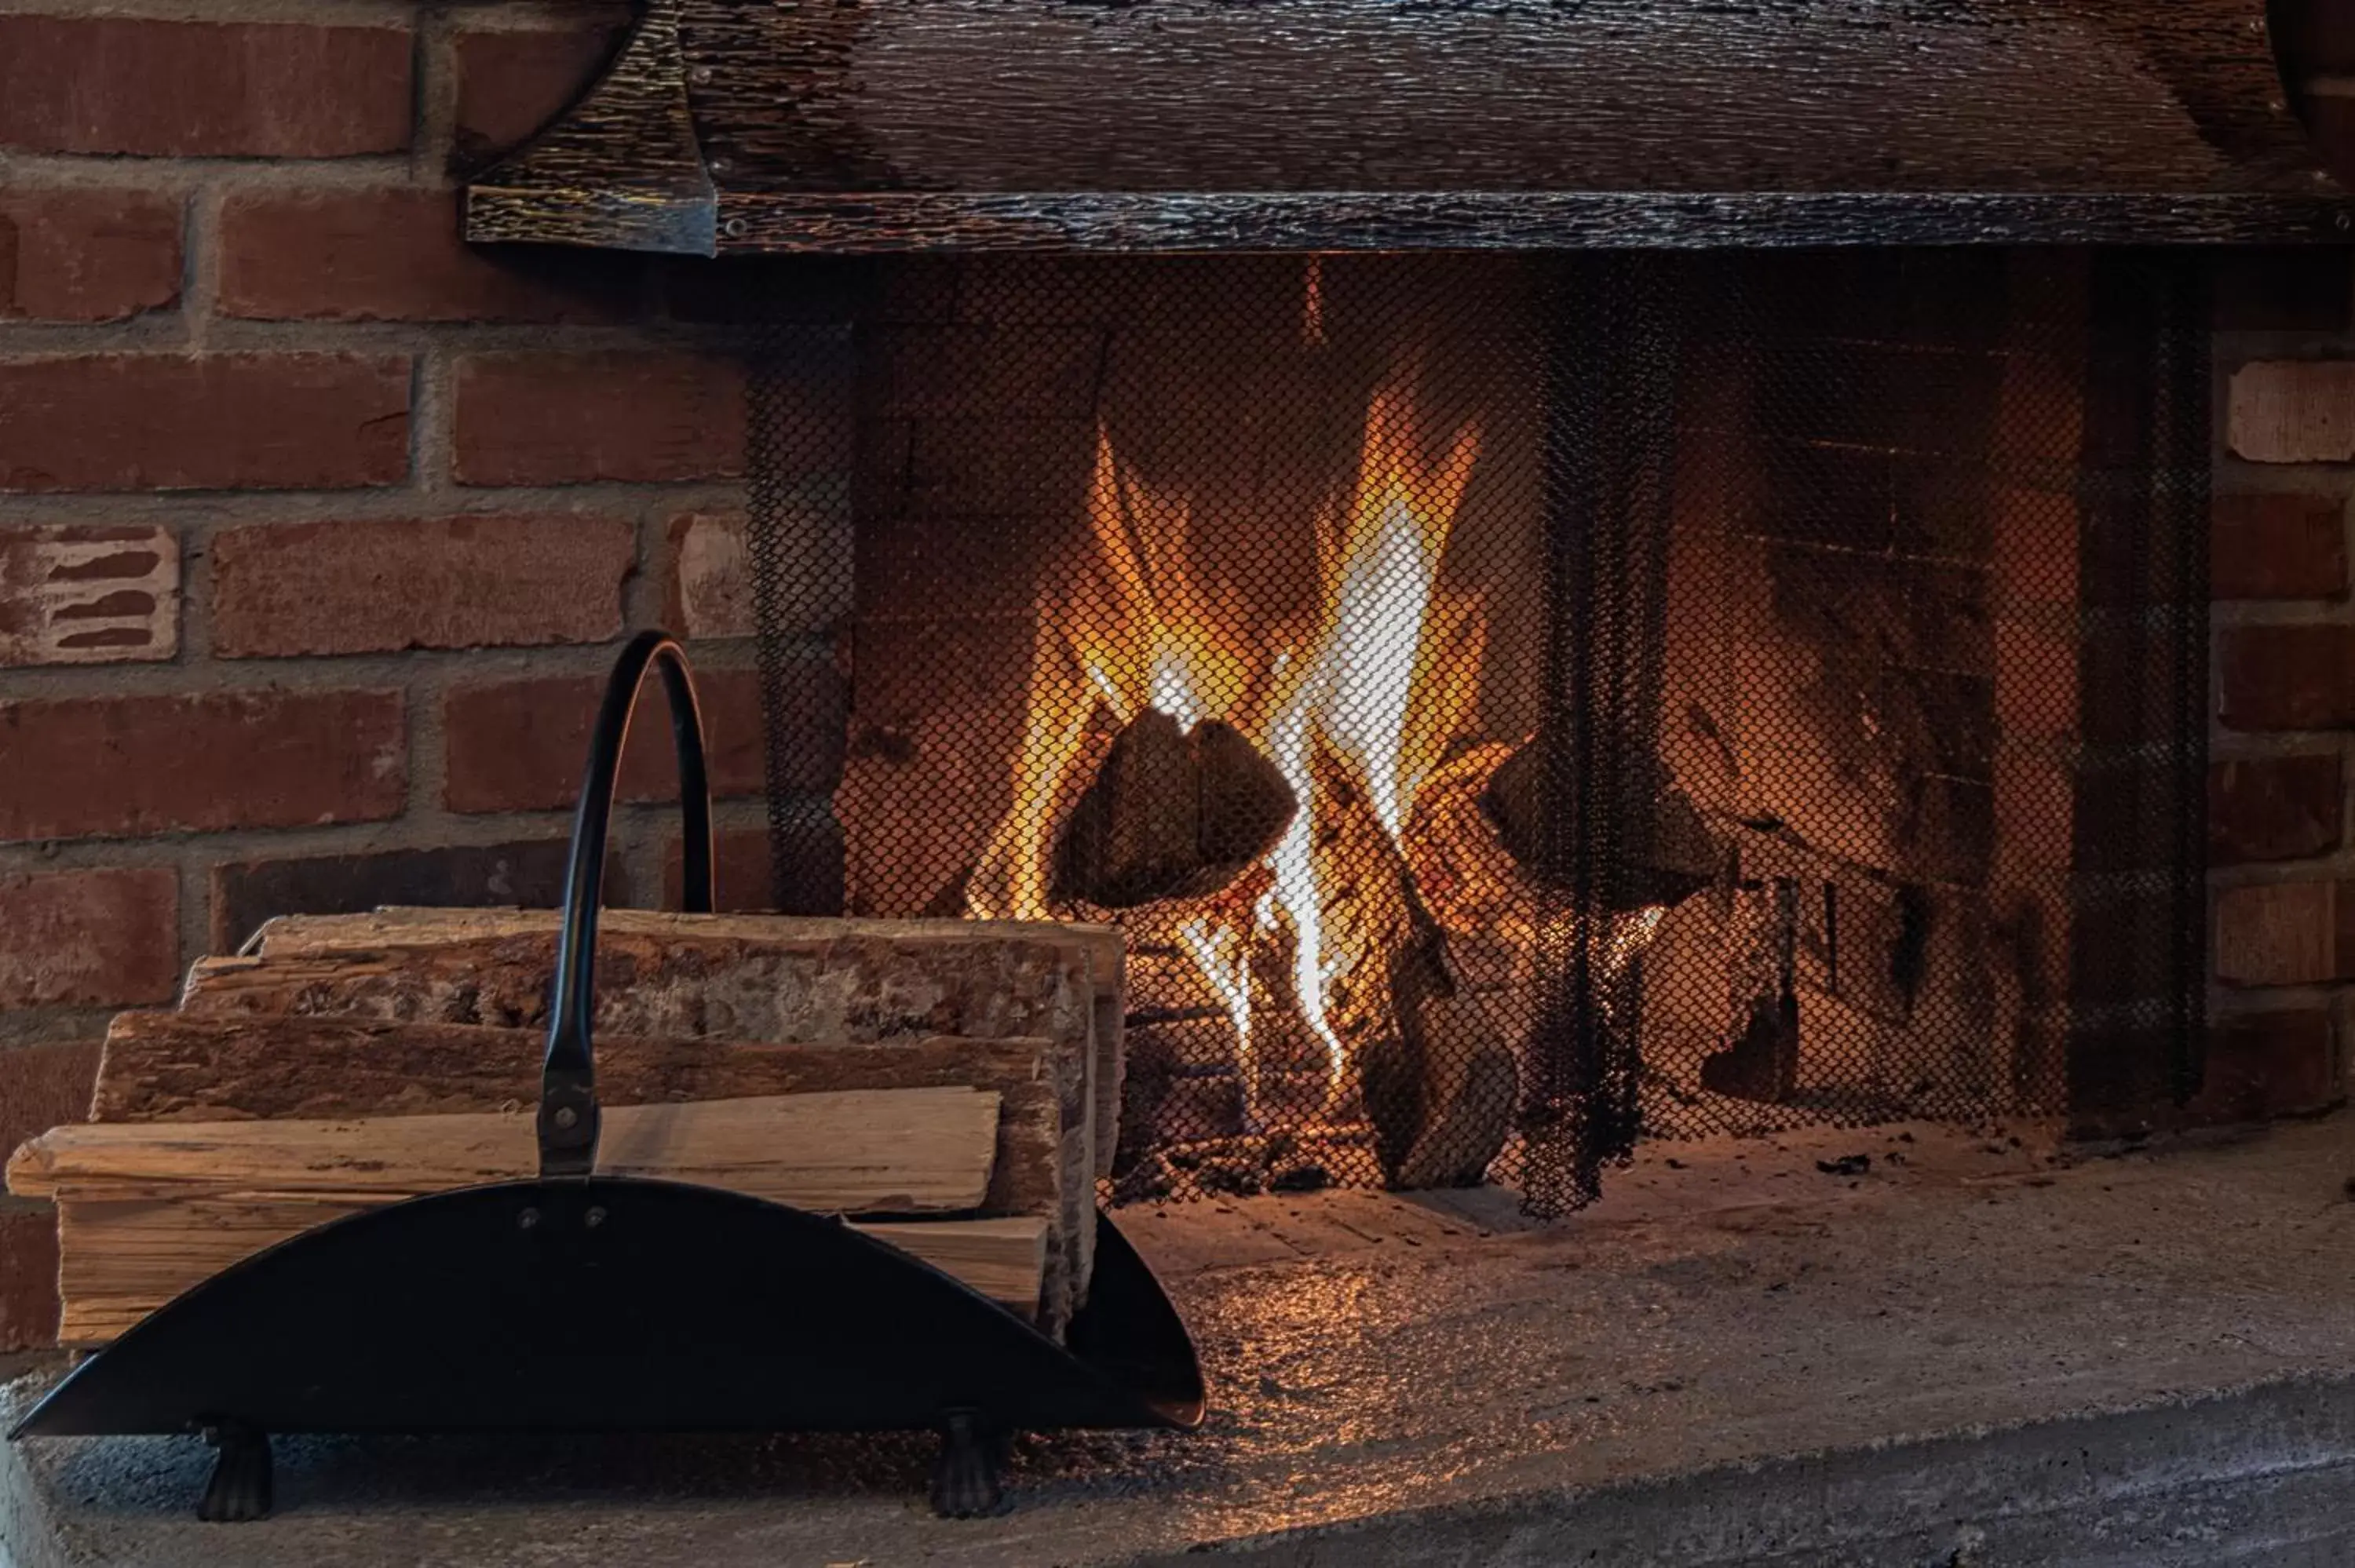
620,171
765,126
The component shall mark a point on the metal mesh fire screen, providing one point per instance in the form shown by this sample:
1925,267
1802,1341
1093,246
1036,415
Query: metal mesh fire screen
1516,703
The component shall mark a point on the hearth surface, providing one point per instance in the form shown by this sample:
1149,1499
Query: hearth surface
1735,1357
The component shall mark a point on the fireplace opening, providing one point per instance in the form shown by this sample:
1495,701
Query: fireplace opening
1515,705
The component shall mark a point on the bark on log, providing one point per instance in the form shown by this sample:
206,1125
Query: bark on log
166,1067
759,977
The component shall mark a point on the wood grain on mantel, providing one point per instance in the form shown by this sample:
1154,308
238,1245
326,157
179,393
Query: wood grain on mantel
1031,124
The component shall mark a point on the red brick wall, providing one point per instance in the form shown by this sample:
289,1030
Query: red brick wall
2283,953
316,527
2279,846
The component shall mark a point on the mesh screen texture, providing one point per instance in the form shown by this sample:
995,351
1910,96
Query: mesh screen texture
1519,703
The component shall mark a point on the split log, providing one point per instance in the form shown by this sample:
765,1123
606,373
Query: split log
148,1210
1427,1067
901,1151
1133,837
120,1259
1170,815
1247,804
759,977
1471,882
171,1069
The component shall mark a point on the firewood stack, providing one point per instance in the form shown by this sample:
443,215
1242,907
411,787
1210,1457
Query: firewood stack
950,1086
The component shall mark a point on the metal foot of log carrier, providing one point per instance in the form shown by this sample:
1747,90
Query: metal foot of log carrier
580,1302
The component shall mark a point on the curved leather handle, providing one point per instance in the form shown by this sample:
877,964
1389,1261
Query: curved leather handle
568,1086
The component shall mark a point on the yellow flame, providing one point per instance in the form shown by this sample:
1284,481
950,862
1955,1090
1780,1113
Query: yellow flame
1294,890
1380,558
1173,690
1380,594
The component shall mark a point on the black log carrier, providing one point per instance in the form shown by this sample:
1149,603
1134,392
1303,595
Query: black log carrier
583,1303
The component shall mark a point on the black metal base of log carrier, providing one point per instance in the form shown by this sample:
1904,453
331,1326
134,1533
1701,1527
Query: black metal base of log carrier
582,1303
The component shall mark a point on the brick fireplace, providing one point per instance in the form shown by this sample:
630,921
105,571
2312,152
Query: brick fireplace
316,527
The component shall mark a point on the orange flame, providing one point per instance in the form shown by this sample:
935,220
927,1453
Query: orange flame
1380,685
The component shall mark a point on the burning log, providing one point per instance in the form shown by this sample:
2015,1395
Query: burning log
1429,1070
1466,874
1666,855
1170,815
1246,803
1471,1084
1762,1062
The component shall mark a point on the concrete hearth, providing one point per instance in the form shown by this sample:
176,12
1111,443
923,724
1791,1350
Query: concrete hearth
1978,1353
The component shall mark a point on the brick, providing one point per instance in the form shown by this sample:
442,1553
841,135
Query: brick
2287,677
520,745
707,588
2277,547
202,89
529,875
2265,1064
29,1275
808,852
398,255
89,938
739,867
555,419
512,83
2293,411
370,585
2286,933
152,421
2274,808
122,766
42,1086
88,595
95,255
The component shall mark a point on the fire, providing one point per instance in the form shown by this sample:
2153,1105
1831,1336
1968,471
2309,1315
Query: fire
1379,560
1354,708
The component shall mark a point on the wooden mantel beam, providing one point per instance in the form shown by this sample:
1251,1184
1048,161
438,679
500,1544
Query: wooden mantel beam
752,126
